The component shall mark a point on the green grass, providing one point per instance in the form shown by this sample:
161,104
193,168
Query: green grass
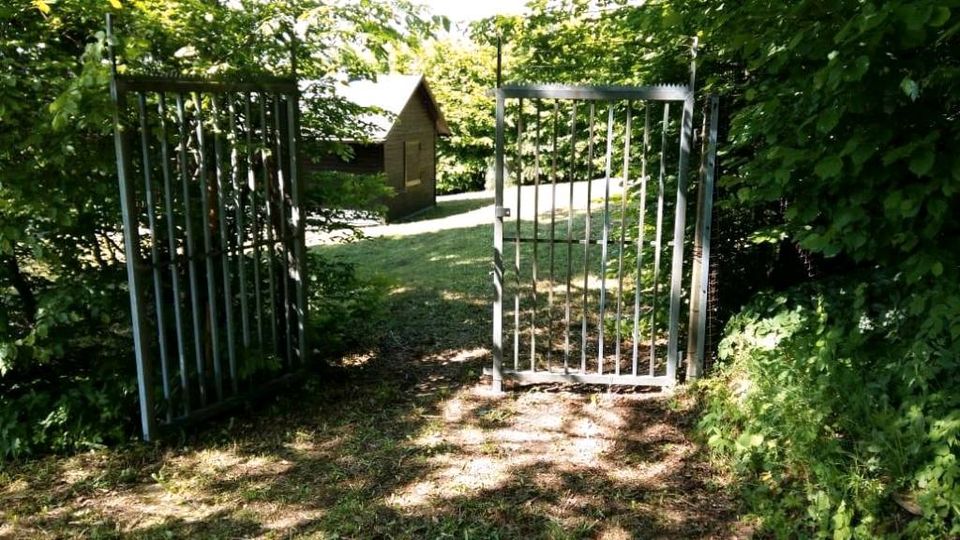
449,208
399,441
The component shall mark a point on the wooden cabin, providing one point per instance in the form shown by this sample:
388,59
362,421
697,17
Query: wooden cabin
402,142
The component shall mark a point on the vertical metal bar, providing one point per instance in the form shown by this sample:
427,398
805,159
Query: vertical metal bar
499,61
131,243
553,227
536,230
658,240
191,255
566,318
695,260
641,229
498,249
623,227
255,218
516,239
284,241
699,285
213,313
240,252
159,304
299,226
679,225
174,258
268,203
606,238
221,186
586,243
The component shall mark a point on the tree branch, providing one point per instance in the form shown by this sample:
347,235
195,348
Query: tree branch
22,285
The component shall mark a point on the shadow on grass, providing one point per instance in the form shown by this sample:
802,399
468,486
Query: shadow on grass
449,207
399,441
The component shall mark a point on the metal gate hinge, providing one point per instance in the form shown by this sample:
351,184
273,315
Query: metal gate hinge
501,212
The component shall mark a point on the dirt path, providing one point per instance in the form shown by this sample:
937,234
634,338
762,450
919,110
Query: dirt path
401,441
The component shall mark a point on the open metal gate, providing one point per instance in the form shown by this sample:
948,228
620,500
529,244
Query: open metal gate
588,299
213,238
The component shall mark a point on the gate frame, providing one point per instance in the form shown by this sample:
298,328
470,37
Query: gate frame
700,271
292,260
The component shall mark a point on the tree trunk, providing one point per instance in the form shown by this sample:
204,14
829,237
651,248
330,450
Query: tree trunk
22,286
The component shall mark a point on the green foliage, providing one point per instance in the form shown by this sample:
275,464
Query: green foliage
66,364
330,195
75,413
460,76
838,406
345,311
871,131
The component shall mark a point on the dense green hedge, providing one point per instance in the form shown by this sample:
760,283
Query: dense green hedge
839,406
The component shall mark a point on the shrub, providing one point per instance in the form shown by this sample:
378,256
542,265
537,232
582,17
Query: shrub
345,310
334,198
839,406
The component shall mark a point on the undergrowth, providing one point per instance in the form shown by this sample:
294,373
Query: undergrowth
838,406
83,394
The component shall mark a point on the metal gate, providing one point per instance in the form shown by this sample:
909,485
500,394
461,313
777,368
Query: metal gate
588,297
213,238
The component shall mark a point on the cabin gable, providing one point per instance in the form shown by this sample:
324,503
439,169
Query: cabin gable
402,143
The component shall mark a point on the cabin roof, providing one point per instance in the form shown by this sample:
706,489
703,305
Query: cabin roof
389,94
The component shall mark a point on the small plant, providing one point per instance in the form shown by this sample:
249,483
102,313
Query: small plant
345,310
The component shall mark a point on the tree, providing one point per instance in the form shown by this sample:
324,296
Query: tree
461,75
65,355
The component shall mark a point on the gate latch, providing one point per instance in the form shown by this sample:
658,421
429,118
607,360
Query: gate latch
502,212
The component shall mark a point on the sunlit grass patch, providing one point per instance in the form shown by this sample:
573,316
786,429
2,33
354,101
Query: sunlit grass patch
399,440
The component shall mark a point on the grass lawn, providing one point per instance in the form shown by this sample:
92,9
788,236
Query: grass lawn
400,441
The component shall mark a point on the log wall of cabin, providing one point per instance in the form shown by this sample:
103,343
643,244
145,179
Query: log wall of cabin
414,123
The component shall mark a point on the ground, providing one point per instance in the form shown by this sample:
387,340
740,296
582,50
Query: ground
402,441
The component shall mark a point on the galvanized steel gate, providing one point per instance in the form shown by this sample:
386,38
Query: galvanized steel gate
213,237
570,316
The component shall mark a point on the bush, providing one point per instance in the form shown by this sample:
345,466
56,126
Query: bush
838,405
68,382
71,385
345,310
333,198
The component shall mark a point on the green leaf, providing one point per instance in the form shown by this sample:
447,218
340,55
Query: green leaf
910,88
941,14
860,67
828,120
829,167
937,268
922,161
914,16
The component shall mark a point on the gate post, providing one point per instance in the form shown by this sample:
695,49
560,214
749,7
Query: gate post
699,280
679,223
498,249
131,244
679,227
299,220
